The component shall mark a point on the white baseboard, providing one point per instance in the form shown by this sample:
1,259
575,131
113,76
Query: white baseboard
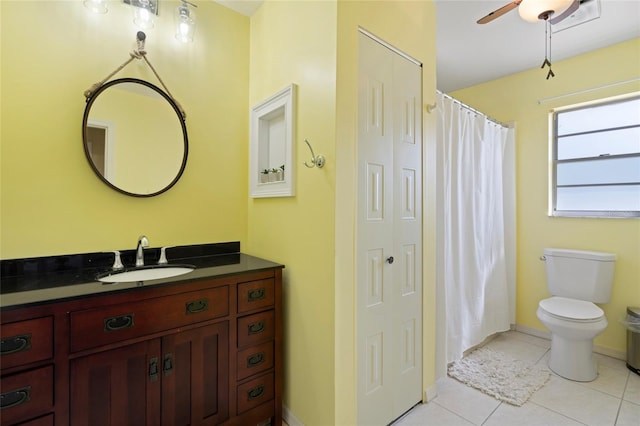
288,417
430,393
596,348
610,352
533,332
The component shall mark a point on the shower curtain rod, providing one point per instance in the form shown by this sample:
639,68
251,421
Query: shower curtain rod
465,106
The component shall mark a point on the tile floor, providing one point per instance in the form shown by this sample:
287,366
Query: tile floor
612,399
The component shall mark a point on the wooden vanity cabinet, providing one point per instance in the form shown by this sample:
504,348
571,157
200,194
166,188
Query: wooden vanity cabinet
199,353
179,379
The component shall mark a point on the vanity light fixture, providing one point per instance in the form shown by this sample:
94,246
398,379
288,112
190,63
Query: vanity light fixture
185,22
96,6
144,12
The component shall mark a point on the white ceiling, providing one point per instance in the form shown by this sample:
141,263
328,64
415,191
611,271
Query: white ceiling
469,54
245,7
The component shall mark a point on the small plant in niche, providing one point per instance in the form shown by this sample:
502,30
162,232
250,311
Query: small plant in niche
280,173
264,176
273,175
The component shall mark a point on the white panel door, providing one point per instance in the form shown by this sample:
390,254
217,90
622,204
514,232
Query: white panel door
389,230
374,234
407,235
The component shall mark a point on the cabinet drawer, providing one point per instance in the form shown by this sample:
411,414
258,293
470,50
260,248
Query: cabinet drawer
257,328
254,360
26,341
26,395
255,392
255,295
101,326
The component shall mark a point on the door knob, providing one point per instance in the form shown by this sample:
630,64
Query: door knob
390,260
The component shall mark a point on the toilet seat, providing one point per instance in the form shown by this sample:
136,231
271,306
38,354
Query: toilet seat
571,309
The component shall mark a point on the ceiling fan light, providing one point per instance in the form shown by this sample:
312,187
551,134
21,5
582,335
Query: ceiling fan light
534,10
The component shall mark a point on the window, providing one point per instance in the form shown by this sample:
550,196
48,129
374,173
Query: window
596,159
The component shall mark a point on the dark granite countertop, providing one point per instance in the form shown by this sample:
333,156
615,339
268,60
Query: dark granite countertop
45,279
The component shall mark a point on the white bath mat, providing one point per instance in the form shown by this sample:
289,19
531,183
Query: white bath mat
497,374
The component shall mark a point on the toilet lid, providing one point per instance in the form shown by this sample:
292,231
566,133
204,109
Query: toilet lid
571,308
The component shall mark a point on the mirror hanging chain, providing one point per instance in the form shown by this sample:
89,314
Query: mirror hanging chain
139,53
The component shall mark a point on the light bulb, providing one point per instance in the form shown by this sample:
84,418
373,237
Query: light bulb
185,23
143,15
184,29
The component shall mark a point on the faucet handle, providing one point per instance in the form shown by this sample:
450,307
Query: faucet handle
143,241
163,255
117,262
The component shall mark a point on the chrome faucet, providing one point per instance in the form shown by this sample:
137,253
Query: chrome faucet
143,242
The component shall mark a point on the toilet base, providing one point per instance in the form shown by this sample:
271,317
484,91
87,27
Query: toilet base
573,359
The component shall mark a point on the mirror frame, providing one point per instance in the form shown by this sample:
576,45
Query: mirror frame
181,118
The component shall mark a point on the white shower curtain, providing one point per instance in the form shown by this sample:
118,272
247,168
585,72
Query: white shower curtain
477,257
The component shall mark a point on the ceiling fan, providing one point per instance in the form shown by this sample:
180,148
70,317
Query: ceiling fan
539,10
535,10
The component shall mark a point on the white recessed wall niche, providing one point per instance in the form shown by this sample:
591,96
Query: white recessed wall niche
271,166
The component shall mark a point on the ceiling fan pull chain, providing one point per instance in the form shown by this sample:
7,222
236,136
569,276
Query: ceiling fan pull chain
550,35
547,49
546,58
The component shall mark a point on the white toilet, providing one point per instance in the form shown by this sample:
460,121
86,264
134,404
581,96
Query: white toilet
576,279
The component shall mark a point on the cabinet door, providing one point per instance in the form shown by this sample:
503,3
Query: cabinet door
117,387
195,376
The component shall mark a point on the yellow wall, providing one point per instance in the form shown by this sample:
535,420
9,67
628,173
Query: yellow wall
294,42
52,203
515,98
410,27
314,44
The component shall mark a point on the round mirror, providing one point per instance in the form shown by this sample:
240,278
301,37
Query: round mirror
135,137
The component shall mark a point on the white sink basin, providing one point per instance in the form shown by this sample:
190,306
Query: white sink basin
145,273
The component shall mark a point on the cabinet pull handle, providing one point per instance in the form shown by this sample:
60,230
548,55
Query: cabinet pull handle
255,359
153,369
255,393
14,344
256,327
15,397
197,306
168,365
257,294
118,323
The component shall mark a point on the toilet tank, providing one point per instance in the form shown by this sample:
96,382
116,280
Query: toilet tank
577,274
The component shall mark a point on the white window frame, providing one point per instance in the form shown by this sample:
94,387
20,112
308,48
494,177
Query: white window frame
553,162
